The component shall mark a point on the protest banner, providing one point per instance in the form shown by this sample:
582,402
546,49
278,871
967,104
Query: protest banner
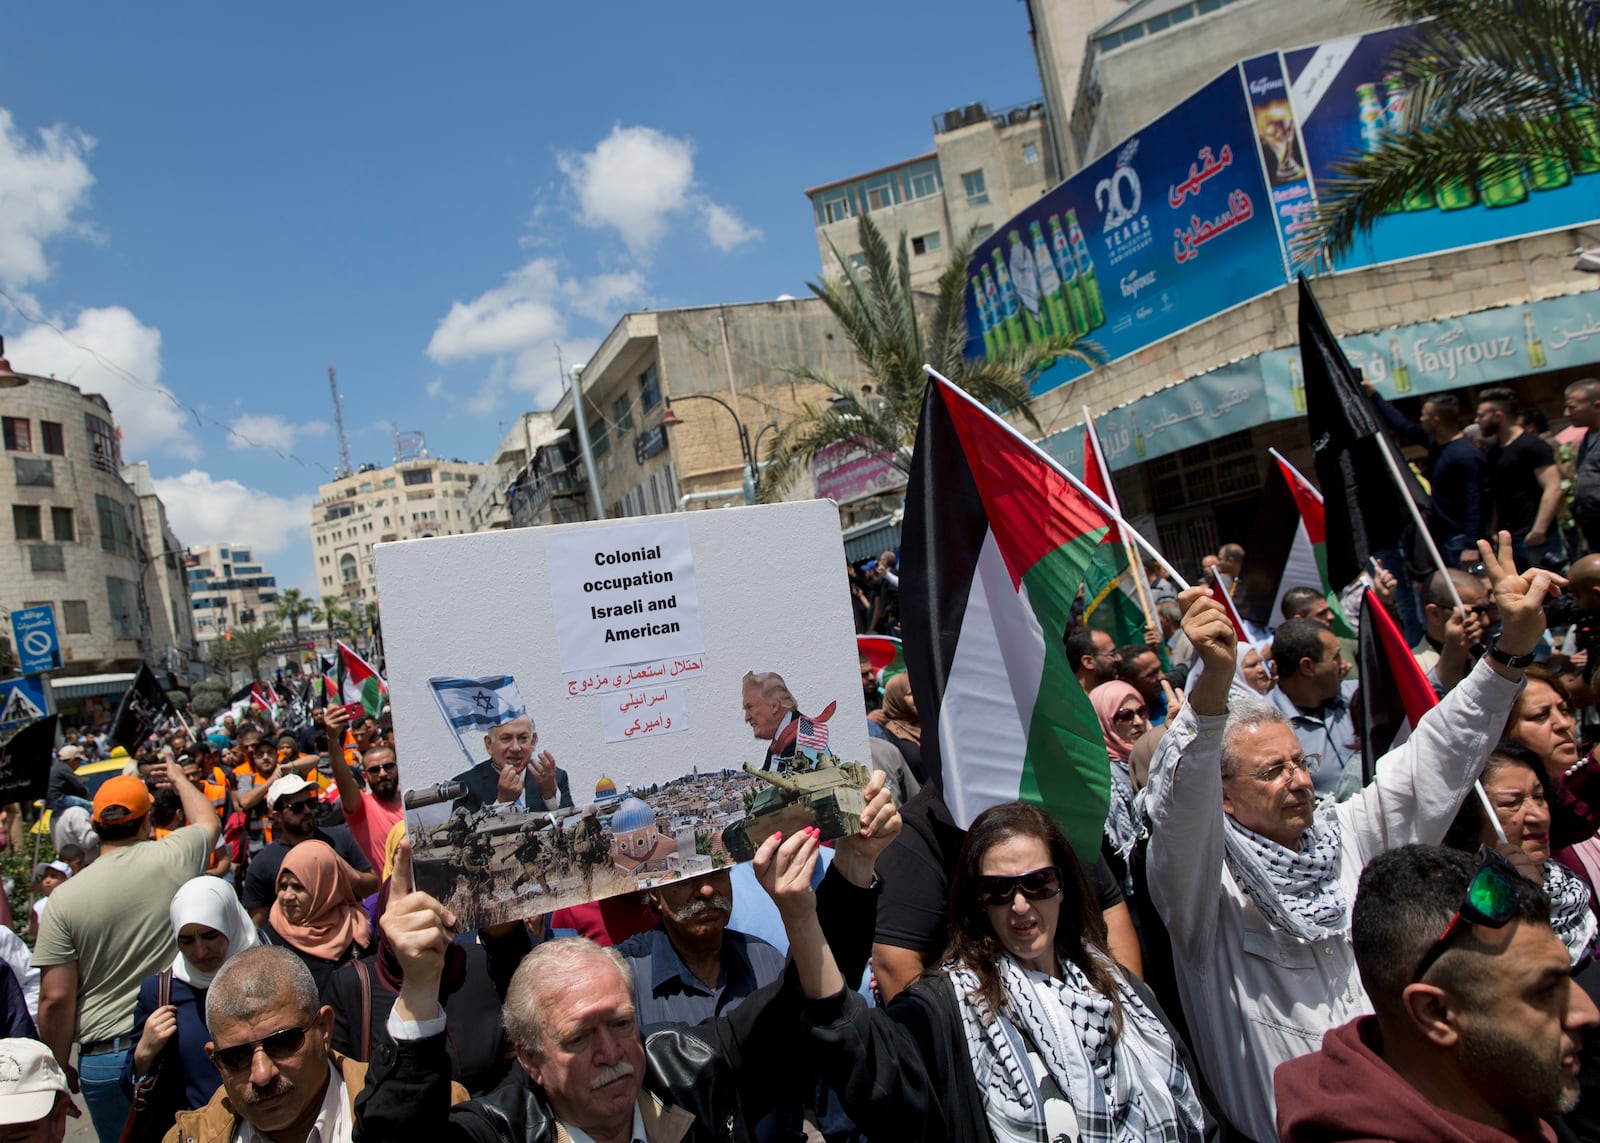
578,718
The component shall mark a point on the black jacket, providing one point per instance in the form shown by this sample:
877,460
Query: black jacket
727,1072
483,788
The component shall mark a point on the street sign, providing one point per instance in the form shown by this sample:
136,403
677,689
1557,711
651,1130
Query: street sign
21,700
34,630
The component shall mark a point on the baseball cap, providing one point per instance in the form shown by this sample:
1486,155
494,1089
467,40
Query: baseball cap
286,786
121,799
69,752
30,1080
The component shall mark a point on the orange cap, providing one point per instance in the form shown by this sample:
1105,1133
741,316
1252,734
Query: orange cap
121,799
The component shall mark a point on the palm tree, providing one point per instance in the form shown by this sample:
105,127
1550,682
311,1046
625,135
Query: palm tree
252,644
894,331
331,614
1497,86
294,606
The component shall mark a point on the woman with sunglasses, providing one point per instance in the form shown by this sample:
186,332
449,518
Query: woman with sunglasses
1027,1030
316,914
1124,719
210,926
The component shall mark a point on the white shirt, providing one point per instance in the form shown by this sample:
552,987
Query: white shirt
16,955
1255,996
333,1124
580,1136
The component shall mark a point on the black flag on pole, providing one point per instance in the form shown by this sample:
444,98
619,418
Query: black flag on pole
25,762
145,708
1365,513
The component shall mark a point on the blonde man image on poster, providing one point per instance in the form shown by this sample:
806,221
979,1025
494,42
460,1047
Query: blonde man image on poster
774,716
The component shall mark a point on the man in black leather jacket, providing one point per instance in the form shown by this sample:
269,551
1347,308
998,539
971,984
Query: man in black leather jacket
583,1060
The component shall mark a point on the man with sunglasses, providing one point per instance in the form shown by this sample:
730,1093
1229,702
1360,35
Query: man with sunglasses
1254,879
293,801
1448,649
1477,1020
371,813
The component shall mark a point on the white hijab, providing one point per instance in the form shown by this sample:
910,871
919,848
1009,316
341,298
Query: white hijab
211,902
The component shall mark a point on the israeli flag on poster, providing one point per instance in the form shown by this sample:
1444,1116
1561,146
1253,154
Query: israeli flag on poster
473,706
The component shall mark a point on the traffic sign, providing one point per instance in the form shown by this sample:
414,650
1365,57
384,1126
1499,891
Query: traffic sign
21,700
34,630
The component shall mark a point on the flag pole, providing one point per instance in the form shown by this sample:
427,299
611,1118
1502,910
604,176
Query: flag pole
1128,530
1135,565
1422,527
1283,460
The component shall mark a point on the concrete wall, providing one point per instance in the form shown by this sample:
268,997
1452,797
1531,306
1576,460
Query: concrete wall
166,581
1060,31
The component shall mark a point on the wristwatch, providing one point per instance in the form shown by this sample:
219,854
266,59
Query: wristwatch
1506,658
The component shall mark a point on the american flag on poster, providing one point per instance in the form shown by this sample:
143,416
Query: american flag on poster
811,735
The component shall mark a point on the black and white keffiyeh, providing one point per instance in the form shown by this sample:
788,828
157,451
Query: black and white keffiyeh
1570,914
1296,891
1128,1088
1121,823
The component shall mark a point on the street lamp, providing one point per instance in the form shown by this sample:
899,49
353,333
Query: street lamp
752,481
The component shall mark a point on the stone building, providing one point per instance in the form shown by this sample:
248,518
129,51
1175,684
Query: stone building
229,588
165,582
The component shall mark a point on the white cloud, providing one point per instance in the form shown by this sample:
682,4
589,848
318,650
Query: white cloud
206,510
502,319
41,188
110,352
435,387
636,179
726,229
268,430
601,296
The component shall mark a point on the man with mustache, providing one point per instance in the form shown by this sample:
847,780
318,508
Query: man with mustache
269,1039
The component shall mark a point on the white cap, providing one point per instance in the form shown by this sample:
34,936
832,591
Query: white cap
285,786
30,1080
68,752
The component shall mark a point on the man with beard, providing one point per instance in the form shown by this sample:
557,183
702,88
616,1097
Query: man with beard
1477,1020
369,814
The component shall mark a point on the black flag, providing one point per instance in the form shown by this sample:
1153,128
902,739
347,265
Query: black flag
1365,511
145,707
25,762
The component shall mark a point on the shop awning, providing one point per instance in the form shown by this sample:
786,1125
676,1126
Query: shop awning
869,539
91,686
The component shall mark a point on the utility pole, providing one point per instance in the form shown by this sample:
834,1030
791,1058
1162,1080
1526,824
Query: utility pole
581,421
338,423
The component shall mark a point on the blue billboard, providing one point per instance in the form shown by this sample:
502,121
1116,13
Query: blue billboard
1168,229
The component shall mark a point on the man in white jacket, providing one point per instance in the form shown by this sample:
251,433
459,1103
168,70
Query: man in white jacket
1254,878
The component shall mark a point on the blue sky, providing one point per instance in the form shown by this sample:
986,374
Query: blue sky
220,200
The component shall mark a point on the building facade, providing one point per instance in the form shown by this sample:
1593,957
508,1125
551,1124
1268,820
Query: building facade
77,539
229,588
165,583
411,499
489,500
984,168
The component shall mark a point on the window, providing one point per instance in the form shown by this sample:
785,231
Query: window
124,607
25,522
61,525
925,243
102,443
858,262
599,437
18,435
38,472
347,568
622,414
55,441
1030,154
979,233
976,189
75,613
389,483
836,207
46,558
114,534
419,476
649,388
880,193
924,180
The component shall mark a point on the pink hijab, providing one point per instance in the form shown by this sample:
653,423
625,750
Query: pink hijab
1106,698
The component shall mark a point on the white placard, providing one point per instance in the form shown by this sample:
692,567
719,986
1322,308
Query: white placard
612,679
624,595
636,715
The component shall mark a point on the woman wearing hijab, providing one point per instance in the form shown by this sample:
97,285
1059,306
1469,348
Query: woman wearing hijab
902,723
1124,719
316,913
210,926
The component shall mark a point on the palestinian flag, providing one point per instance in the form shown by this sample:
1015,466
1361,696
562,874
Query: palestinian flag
995,544
265,700
1110,591
1287,549
884,653
361,683
1395,692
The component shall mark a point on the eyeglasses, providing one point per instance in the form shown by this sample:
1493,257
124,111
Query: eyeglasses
297,807
1491,901
382,769
1130,715
279,1045
1035,886
1279,770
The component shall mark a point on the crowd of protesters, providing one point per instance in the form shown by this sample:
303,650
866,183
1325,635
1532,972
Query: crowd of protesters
1276,939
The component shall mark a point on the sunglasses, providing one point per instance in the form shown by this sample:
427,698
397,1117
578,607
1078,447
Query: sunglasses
1130,715
998,892
382,769
279,1045
298,807
1491,901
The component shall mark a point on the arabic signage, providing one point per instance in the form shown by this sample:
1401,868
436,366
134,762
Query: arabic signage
844,472
1483,348
33,630
564,749
1345,96
1279,145
649,442
1167,230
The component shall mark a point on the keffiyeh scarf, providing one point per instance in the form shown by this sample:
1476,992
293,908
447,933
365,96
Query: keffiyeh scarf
1296,891
1127,1088
1570,914
1121,824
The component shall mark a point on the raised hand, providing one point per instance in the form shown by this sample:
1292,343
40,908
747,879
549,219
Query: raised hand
857,855
419,930
783,866
1206,623
1520,596
543,769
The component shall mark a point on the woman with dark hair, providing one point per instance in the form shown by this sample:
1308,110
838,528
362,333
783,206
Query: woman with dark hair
1541,720
1027,1029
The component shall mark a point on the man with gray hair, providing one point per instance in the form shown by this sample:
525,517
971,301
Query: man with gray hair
772,714
1253,878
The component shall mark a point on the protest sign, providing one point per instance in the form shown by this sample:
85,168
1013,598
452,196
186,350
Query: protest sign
571,703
